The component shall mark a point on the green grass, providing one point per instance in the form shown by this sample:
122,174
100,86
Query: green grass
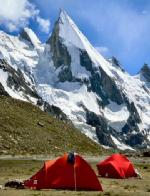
23,169
21,133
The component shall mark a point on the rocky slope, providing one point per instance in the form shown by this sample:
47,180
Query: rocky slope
25,129
97,95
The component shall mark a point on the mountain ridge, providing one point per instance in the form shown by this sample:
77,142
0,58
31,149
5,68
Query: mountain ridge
96,94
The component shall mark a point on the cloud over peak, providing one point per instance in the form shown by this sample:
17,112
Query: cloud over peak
44,24
16,14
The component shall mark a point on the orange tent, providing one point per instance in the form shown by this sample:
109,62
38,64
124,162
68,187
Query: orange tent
116,166
63,173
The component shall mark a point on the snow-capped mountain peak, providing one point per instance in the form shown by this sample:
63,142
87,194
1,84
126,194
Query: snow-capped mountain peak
97,95
69,32
28,35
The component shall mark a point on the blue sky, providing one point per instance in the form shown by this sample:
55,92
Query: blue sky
119,28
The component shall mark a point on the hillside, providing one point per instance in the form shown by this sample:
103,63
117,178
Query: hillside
25,129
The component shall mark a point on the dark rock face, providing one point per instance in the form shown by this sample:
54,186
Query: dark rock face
2,91
100,82
109,86
59,51
24,35
114,62
94,84
134,112
145,71
103,131
17,81
85,60
65,74
60,55
104,137
52,110
133,120
135,140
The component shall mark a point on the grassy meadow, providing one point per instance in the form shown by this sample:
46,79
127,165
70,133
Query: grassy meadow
23,169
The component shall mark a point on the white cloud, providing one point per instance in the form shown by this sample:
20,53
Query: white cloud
15,14
44,24
102,50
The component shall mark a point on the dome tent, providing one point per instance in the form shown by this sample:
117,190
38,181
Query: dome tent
67,172
116,166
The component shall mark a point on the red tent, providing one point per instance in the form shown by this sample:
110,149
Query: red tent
116,166
63,174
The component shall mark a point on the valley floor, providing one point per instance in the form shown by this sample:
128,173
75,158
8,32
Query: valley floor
23,169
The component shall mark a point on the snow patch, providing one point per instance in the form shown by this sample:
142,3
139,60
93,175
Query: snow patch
70,102
120,145
116,115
